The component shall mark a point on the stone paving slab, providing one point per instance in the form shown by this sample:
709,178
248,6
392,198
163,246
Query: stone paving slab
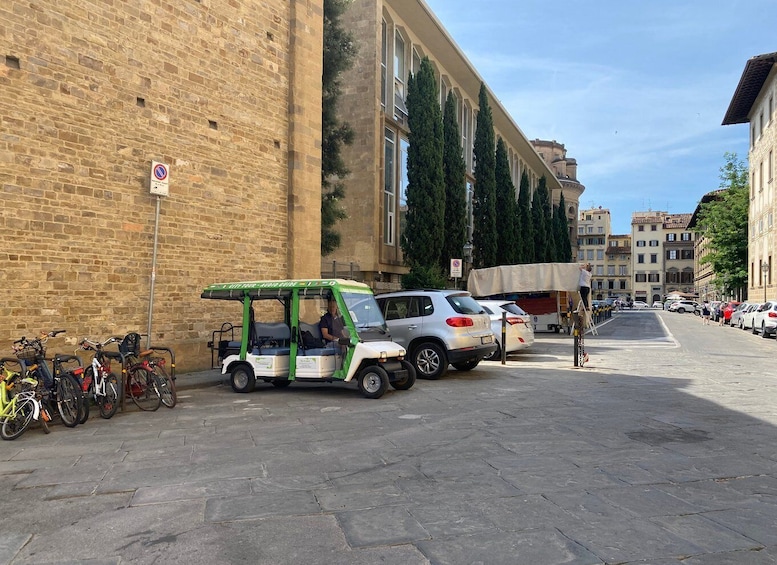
649,459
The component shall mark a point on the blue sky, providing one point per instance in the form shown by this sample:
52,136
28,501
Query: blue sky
635,90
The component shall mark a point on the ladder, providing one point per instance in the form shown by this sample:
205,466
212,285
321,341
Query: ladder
588,319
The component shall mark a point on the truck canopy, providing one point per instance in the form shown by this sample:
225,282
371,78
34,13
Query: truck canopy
532,277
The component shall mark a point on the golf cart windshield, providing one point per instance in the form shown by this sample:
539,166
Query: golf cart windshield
366,315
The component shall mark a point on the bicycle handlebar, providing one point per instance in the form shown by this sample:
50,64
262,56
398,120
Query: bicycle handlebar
86,344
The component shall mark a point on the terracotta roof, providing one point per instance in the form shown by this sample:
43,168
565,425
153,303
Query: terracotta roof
750,85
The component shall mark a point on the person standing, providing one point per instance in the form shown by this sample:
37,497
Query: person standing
585,284
705,313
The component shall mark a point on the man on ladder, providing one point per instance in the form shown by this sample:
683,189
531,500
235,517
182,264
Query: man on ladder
584,315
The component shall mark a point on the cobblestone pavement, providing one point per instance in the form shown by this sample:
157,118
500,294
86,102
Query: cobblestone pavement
662,450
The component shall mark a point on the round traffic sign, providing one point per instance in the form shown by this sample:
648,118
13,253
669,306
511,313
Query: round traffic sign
160,172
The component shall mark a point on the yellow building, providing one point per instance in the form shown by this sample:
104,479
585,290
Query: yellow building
393,36
754,103
227,95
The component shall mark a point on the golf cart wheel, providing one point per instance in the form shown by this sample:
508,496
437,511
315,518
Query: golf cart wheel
242,378
373,381
409,380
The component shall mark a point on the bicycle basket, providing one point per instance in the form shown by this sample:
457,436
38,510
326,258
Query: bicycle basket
28,354
130,345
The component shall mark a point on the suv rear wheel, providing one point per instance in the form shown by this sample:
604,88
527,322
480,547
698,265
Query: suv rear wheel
430,360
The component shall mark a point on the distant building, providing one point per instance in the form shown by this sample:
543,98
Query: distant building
565,168
662,258
754,103
609,255
705,281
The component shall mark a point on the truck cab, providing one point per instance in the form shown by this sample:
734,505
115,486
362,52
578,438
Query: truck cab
279,340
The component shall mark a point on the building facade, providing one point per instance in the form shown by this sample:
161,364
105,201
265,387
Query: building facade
565,168
618,266
593,228
393,36
228,95
662,255
754,103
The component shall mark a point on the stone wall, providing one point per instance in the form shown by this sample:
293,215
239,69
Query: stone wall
90,94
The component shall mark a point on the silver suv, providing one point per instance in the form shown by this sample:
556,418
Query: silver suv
438,327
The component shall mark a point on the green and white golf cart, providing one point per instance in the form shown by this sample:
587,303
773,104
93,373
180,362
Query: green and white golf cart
289,346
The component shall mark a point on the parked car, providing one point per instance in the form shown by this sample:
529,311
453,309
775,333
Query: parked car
519,333
639,304
765,320
736,315
748,317
683,306
728,309
438,327
657,304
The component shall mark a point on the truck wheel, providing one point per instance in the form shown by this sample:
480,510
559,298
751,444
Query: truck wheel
429,360
409,380
373,381
467,365
242,378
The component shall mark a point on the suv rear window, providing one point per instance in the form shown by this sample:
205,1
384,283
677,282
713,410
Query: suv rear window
513,309
464,304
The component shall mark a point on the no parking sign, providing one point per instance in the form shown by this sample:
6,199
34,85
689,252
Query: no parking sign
456,268
160,179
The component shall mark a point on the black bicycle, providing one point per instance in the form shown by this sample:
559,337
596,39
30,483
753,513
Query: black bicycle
62,386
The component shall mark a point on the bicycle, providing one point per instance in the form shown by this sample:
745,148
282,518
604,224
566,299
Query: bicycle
18,410
99,382
62,386
141,381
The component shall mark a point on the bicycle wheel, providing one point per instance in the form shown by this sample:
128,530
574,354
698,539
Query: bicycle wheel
17,423
166,387
143,391
44,418
108,403
69,400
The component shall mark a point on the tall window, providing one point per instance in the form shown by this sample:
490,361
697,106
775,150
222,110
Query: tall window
671,254
389,188
400,111
383,63
653,243
671,237
624,270
640,258
653,258
416,62
403,146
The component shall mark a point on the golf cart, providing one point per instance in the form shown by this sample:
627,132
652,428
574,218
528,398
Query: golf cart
289,347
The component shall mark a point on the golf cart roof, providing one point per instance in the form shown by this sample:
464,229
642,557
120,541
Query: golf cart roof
280,289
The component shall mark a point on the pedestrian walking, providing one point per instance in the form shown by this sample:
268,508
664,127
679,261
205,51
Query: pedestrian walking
705,313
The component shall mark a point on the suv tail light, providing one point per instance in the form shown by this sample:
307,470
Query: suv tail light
513,321
460,322
773,314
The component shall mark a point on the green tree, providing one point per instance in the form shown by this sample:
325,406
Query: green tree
507,206
540,212
424,232
484,197
339,55
523,226
561,230
724,223
454,172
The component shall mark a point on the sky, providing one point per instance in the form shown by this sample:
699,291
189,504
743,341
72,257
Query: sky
636,90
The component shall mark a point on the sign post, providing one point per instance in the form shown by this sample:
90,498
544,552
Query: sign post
456,270
159,185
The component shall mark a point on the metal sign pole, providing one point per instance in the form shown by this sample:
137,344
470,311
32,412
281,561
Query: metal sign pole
153,272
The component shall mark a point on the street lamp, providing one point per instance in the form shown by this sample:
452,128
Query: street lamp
764,270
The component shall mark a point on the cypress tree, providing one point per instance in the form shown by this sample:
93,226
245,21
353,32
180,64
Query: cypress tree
507,206
563,244
524,225
541,223
454,172
339,54
423,234
484,197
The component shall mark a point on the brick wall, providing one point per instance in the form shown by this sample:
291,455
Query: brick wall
90,94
